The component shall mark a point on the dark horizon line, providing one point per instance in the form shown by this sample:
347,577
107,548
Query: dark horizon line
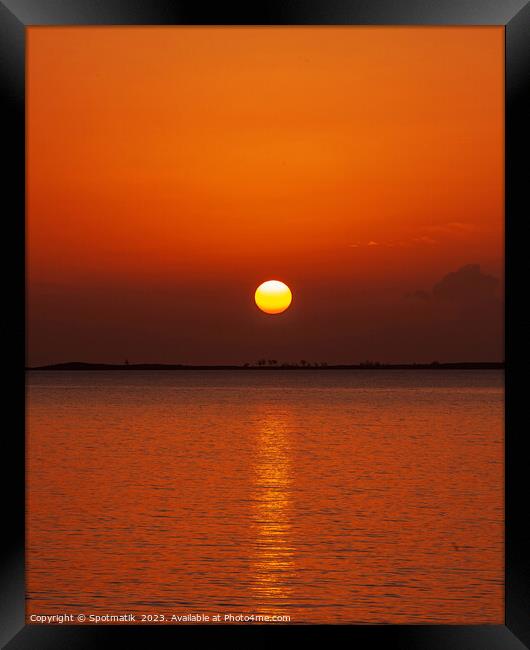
368,365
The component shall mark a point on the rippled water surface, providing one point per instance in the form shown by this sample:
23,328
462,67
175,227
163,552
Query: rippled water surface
329,496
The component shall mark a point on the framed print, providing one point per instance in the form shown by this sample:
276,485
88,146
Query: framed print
266,263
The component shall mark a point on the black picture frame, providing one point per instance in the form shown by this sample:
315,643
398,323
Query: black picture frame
514,15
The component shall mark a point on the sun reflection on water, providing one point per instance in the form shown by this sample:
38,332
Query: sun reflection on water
273,566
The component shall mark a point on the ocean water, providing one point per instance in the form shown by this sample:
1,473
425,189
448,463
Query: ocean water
325,496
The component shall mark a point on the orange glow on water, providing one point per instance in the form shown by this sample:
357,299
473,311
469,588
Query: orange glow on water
330,496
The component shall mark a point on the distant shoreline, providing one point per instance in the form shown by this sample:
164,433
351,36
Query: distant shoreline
75,366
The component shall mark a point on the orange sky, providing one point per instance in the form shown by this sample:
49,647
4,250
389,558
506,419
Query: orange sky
171,170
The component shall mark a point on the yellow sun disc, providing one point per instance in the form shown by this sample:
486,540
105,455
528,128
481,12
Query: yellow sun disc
273,297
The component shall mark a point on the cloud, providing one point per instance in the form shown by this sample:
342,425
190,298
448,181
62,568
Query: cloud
452,227
359,244
459,317
466,284
424,239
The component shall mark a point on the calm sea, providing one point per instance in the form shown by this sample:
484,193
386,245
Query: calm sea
327,496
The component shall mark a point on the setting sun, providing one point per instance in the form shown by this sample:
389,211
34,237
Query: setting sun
273,297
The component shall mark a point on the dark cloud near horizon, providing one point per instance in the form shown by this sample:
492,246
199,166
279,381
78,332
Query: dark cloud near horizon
461,316
468,283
